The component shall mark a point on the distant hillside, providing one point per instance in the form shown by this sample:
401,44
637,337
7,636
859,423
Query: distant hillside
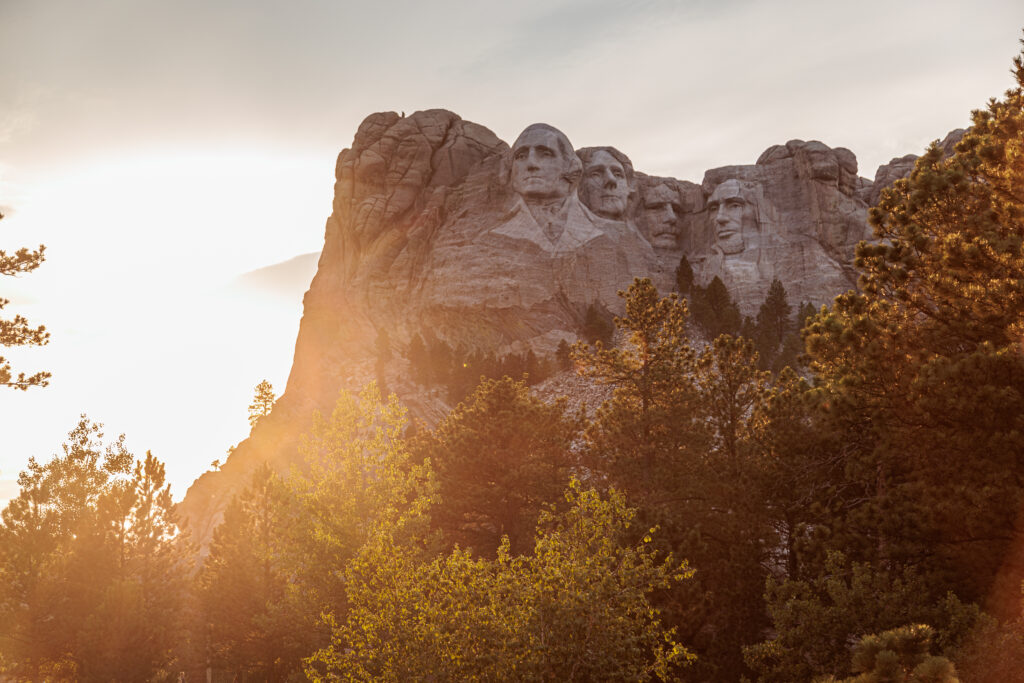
289,279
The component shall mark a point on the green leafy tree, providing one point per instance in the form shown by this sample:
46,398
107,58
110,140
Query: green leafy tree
361,473
17,331
499,457
576,609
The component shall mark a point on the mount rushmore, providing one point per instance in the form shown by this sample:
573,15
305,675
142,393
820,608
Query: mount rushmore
439,226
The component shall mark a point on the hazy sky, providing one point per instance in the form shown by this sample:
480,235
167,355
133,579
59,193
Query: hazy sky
159,149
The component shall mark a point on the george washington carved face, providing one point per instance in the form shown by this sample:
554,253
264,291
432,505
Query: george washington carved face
544,165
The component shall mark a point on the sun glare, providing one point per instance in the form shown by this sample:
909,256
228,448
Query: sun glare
146,329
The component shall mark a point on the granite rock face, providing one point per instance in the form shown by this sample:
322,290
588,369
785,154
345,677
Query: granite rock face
796,215
440,227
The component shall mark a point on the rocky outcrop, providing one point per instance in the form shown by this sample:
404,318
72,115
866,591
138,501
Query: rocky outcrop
900,167
796,215
438,226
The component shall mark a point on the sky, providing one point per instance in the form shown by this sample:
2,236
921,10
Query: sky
160,150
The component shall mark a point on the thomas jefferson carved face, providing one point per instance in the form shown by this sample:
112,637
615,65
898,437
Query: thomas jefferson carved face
542,163
733,217
605,188
661,210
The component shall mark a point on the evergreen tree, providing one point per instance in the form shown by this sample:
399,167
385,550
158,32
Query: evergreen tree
816,620
499,457
418,360
248,617
17,331
262,403
922,370
774,324
714,309
92,568
684,277
563,355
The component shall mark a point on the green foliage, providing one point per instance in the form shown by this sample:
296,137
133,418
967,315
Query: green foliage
563,355
677,438
92,568
499,458
649,415
923,371
775,335
576,609
262,403
899,655
17,331
684,276
459,370
360,474
714,310
816,620
249,619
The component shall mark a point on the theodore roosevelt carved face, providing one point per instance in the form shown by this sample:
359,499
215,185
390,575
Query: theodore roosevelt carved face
660,216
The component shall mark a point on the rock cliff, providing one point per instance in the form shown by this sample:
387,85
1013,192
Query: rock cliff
438,226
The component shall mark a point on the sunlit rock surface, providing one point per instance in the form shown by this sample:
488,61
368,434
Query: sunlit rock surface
438,226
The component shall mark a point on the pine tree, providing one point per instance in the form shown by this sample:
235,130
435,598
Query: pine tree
684,277
262,403
563,355
500,457
92,567
418,360
923,373
17,331
249,619
714,309
774,324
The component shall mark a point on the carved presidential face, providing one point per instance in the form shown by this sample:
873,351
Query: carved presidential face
733,217
539,165
604,188
661,211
